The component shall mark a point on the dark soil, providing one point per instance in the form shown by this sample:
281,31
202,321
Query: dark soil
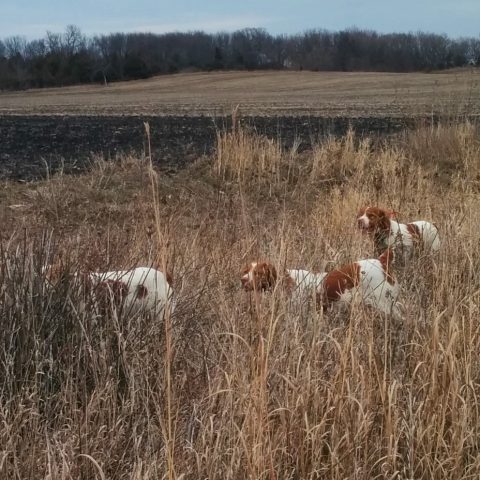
31,146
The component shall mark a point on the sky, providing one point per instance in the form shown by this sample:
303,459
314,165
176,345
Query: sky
32,18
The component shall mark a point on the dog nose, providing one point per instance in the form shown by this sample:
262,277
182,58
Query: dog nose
360,223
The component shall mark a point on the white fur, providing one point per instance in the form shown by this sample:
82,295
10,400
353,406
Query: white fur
364,220
306,281
306,285
159,293
248,277
401,239
374,290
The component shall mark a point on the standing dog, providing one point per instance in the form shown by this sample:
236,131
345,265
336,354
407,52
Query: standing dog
404,238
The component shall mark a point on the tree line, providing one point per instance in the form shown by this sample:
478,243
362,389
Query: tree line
72,58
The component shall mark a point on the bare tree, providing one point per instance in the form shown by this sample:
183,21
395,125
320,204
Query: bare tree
15,46
73,41
53,42
35,49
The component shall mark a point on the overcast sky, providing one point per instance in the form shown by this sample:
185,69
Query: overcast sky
32,18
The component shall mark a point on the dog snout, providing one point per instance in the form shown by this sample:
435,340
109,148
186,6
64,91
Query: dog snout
363,222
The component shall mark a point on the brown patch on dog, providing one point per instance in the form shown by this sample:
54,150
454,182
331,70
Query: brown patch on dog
379,219
288,282
339,281
387,259
142,291
414,231
264,276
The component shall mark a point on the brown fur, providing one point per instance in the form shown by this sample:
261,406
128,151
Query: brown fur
378,217
288,282
414,231
338,281
387,259
142,291
264,276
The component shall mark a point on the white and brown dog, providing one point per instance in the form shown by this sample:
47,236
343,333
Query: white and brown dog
263,275
139,289
369,281
388,232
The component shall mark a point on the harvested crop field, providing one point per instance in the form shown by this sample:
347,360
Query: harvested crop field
262,93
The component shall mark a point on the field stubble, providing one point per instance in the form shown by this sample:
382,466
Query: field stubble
262,93
244,386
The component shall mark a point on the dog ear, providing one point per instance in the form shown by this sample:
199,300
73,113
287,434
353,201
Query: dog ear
268,272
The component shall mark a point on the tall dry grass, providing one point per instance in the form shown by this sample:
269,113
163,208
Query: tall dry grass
245,386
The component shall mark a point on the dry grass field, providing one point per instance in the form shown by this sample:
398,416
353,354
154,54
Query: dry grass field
237,385
263,93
